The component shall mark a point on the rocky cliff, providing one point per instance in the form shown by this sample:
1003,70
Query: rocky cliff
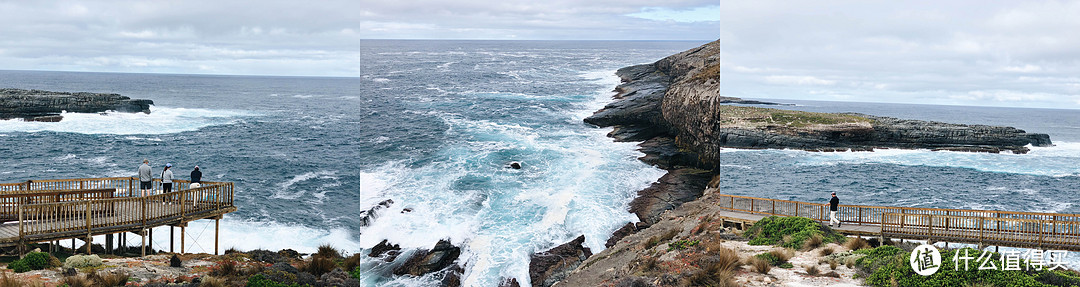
679,97
37,105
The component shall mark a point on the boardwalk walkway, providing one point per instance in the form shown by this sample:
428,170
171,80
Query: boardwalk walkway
52,210
1059,231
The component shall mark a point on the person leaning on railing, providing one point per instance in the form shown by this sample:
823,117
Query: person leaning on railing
196,178
166,179
146,178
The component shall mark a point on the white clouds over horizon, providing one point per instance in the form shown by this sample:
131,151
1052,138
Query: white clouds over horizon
1013,53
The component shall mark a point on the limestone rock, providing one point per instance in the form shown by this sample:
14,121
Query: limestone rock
670,191
548,267
427,261
37,105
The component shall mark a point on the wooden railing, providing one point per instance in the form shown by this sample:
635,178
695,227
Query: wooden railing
67,208
868,214
987,230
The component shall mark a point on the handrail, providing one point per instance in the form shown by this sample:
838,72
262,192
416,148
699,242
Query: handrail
866,214
49,209
1033,232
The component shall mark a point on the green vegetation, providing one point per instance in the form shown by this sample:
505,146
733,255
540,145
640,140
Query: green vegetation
888,266
790,232
82,261
258,280
32,261
788,118
682,244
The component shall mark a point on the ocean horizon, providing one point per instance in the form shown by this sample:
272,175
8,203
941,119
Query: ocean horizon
432,125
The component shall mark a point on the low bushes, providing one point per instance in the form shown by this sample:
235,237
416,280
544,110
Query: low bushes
790,232
32,261
888,266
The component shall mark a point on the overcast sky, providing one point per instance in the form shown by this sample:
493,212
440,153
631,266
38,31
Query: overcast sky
1002,53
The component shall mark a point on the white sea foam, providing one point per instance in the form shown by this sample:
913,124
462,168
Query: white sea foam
1058,160
159,121
287,192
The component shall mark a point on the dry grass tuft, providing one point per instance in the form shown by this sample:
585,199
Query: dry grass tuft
226,268
709,277
826,251
832,274
856,244
109,279
850,262
813,243
724,258
210,281
6,281
353,261
327,251
760,265
77,281
833,264
783,254
813,270
320,265
648,264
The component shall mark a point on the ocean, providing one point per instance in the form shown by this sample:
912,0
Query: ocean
432,125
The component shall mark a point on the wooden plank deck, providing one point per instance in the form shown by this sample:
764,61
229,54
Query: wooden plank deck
51,210
982,227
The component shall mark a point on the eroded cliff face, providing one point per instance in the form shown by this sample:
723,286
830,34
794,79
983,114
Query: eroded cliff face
37,105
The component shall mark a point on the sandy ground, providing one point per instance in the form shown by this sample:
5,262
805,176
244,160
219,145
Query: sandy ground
153,268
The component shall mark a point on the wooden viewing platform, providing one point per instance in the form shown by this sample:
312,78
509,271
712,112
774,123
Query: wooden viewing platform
52,210
1058,231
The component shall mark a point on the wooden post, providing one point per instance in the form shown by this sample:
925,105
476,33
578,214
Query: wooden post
217,224
172,233
773,211
183,229
150,234
143,234
108,243
89,237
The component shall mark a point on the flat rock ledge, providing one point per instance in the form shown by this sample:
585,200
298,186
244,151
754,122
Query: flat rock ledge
47,106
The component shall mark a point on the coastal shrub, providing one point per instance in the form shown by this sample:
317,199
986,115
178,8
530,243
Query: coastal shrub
211,281
682,244
82,261
37,260
258,280
812,270
772,230
889,267
19,266
856,244
786,265
55,262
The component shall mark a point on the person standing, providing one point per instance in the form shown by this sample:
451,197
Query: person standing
146,179
196,177
166,179
834,206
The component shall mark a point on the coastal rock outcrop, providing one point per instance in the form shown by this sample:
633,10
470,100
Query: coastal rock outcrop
670,191
38,105
391,251
548,267
679,97
427,261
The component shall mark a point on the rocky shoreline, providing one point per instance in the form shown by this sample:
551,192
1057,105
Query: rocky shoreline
674,108
47,106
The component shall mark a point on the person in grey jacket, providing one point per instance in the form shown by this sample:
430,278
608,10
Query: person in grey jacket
146,180
166,178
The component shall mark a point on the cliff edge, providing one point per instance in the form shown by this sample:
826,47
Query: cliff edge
37,105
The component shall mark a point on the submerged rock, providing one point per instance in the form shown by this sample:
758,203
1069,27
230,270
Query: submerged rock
46,106
548,267
512,282
391,251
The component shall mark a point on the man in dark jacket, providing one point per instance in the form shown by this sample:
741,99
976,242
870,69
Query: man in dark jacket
196,177
834,206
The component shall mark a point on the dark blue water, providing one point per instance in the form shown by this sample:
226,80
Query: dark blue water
432,124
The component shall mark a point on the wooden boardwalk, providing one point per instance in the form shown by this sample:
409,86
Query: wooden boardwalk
1058,231
52,210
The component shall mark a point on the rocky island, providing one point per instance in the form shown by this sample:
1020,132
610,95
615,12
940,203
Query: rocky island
46,106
